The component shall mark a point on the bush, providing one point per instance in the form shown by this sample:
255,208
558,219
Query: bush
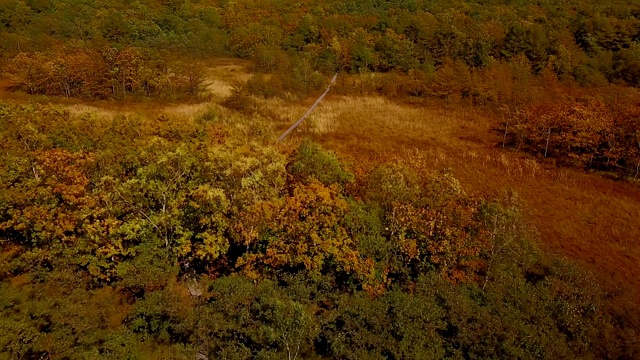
240,100
312,162
394,183
260,85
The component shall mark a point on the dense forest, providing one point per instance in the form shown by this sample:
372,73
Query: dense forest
589,41
131,237
135,237
491,53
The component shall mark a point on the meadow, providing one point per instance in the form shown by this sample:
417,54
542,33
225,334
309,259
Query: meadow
467,189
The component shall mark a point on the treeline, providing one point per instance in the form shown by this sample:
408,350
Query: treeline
589,42
500,84
189,28
106,74
593,135
130,237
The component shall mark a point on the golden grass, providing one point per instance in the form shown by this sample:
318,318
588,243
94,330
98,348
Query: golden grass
100,112
369,116
583,216
185,111
219,89
224,74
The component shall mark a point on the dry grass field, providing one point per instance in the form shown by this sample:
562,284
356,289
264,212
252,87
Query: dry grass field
585,217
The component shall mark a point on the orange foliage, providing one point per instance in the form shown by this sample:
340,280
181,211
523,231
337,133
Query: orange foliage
59,201
301,230
449,238
593,135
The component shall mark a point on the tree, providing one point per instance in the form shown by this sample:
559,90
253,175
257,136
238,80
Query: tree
33,72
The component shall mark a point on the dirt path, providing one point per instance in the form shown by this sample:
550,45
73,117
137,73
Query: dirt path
306,114
583,216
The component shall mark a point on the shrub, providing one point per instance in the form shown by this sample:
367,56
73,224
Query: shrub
312,162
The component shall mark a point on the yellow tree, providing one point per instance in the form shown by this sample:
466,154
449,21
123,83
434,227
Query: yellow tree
302,231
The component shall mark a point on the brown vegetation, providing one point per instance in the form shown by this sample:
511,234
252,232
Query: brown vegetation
587,217
573,211
583,216
435,205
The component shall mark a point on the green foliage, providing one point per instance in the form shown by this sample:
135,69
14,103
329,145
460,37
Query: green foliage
397,325
594,42
627,64
138,238
395,183
154,238
312,162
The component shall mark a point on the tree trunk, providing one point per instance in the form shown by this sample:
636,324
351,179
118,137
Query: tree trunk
506,131
546,148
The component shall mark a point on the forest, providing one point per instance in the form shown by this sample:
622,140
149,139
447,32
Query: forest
148,212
